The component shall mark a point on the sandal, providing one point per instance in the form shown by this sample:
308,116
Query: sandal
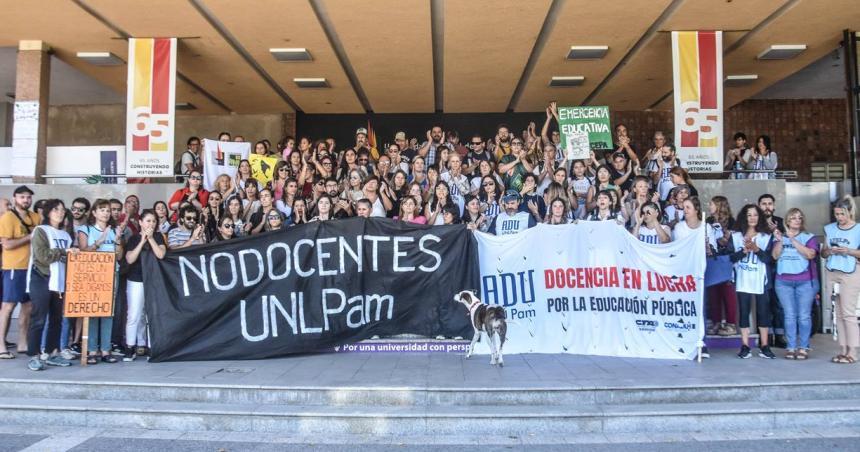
802,355
846,360
790,355
92,360
109,359
7,355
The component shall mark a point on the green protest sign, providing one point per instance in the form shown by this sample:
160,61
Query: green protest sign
591,120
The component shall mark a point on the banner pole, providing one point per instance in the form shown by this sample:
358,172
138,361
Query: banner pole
85,341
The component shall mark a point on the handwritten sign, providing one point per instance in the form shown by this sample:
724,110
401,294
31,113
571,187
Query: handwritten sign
578,146
90,284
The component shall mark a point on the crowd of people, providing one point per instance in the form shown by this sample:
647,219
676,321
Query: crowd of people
501,185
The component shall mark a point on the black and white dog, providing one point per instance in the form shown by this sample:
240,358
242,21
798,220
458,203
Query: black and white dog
485,319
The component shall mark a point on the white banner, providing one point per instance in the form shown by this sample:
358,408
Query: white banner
150,105
222,157
697,63
594,289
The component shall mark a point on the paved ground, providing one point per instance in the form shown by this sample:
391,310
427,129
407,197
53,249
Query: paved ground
451,370
90,440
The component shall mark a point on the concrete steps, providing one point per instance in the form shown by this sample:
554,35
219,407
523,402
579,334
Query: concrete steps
432,420
424,397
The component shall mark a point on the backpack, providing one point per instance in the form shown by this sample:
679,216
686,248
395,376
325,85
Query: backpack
177,167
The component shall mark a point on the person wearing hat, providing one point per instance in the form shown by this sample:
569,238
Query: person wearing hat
511,221
406,151
361,142
16,229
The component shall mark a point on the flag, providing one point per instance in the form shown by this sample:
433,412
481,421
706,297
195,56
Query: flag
222,157
150,102
371,135
697,63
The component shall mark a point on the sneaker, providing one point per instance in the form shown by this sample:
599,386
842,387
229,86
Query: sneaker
765,352
142,351
440,337
117,350
35,364
57,361
745,352
705,353
44,356
67,354
712,330
76,348
129,355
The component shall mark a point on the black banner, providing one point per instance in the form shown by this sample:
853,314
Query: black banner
308,288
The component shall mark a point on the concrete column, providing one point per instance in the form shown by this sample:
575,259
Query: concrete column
30,113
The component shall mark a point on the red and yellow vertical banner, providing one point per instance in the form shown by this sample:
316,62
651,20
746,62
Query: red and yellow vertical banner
151,103
697,63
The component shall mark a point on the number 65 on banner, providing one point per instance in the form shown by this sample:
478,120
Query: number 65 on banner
150,129
704,121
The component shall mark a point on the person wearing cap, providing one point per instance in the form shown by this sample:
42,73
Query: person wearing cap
361,142
16,229
406,151
511,221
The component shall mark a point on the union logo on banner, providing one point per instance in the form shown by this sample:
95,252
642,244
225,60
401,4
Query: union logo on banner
697,63
150,105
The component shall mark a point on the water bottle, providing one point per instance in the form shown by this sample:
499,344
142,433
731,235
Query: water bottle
738,168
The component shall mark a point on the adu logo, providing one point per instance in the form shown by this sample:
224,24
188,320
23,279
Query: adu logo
510,290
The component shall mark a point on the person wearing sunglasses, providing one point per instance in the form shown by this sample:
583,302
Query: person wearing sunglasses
193,192
274,221
188,231
226,230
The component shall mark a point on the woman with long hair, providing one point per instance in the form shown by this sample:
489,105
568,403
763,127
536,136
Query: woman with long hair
439,198
556,190
418,172
473,218
764,160
226,230
300,211
279,180
647,226
162,215
348,162
323,208
243,173
101,234
680,176
46,283
251,203
490,198
147,241
602,182
722,299
531,200
580,183
796,282
274,221
409,211
842,240
558,212
212,213
234,214
224,185
485,168
284,204
752,255
352,191
414,190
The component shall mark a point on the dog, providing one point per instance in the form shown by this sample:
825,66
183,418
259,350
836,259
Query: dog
485,319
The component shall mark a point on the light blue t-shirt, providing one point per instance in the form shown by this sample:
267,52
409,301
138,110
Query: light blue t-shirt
846,238
93,234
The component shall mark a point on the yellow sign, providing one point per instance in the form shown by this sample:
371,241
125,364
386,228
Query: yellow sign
262,168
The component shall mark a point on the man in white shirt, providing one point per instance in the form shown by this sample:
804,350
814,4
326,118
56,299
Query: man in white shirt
511,221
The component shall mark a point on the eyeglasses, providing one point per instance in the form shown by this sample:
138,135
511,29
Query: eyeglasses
196,178
320,183
191,219
516,143
78,209
476,144
227,225
362,160
284,169
272,217
488,184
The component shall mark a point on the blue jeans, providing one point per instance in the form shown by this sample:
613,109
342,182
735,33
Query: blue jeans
796,298
99,332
